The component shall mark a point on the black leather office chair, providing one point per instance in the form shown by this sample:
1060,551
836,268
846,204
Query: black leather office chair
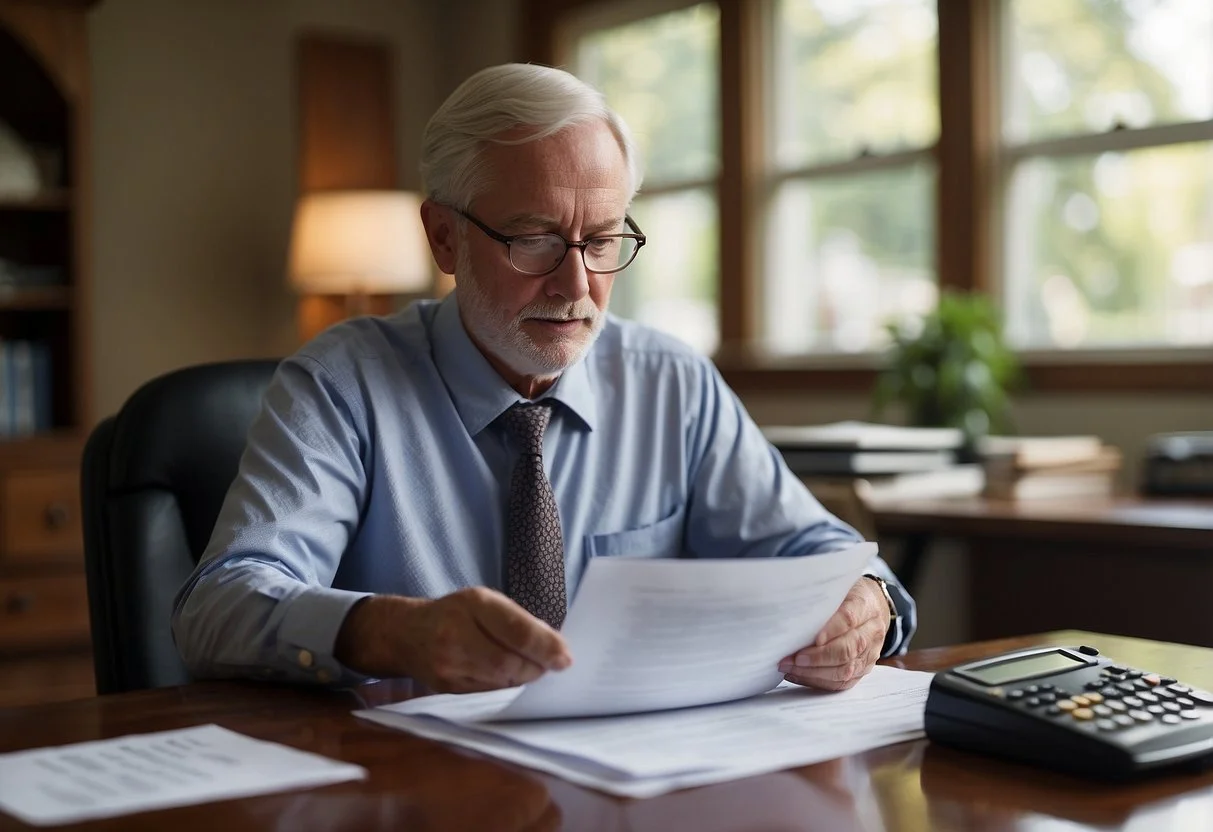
152,482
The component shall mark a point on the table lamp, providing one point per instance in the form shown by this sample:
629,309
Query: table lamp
353,249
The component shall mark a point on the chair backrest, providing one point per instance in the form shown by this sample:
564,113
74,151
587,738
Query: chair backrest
152,482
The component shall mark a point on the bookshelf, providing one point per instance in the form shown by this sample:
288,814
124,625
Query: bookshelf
44,304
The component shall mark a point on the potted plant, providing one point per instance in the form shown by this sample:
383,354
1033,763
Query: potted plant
952,370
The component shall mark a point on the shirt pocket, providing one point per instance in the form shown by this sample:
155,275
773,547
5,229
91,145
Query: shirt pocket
662,539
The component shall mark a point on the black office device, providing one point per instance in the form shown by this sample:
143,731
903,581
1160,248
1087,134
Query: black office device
1068,708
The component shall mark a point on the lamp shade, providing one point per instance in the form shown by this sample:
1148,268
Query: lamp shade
359,242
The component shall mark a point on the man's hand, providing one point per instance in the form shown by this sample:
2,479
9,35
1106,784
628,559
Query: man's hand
847,646
471,640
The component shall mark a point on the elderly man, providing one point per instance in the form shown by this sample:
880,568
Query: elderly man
422,492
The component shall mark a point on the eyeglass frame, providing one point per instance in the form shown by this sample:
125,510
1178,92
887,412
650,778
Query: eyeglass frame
508,239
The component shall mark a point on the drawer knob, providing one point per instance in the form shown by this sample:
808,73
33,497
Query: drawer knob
19,602
56,516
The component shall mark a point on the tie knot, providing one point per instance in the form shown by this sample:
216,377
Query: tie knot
526,424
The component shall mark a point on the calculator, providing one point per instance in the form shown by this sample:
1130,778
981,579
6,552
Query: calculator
1071,709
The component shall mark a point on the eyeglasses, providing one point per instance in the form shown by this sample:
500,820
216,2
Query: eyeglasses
540,254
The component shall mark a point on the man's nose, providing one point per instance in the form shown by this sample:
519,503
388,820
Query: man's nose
570,280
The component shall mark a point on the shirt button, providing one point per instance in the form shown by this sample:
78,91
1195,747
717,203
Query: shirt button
324,677
305,658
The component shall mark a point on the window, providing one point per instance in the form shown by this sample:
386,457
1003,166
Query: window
853,121
661,74
1108,147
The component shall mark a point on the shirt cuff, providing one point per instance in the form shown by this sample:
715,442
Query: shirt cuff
308,633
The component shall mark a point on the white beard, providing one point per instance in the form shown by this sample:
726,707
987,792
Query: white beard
503,336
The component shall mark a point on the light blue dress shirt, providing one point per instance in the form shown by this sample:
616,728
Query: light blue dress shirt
376,466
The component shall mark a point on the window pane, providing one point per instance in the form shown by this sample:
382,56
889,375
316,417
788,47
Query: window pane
847,255
662,75
1114,249
1084,66
672,283
852,75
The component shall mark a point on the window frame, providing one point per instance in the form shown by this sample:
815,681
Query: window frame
970,166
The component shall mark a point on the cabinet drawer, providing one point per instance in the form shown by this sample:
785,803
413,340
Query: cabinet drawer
41,612
40,516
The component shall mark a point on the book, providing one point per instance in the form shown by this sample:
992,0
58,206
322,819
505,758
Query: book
816,462
1051,485
853,435
1040,451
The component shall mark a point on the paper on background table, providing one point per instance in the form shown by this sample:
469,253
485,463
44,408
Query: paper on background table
141,772
653,634
645,755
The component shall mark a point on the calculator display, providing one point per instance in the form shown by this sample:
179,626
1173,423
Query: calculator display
997,674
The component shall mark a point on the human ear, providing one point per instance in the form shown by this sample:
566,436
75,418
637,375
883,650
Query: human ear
441,233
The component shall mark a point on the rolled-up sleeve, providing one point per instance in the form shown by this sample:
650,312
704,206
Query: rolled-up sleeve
261,601
747,503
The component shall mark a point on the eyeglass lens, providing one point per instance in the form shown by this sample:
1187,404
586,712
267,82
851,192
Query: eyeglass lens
541,253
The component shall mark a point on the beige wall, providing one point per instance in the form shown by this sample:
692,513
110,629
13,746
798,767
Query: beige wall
193,151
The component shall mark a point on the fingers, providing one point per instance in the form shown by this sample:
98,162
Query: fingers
518,631
841,662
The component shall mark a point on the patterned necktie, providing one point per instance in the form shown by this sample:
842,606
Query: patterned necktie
534,548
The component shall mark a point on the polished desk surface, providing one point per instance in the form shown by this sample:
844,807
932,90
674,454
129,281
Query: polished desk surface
1162,522
416,784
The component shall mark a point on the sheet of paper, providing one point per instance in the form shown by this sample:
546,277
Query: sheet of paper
141,772
648,635
649,754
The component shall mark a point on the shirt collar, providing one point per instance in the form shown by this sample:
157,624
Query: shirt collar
479,393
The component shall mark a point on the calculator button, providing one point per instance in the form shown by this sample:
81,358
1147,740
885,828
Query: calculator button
1152,679
1123,720
1171,719
1178,688
1173,707
1202,697
1119,707
1190,714
1032,701
1016,694
1103,710
1114,668
1185,702
1106,724
1139,684
1067,705
1085,713
1094,698
1146,696
1133,702
1110,692
1046,687
1048,697
1141,716
1081,701
1094,684
1167,680
1033,688
1164,694
1053,710
1127,687
1155,709
1134,674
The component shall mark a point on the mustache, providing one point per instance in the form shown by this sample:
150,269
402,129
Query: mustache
561,311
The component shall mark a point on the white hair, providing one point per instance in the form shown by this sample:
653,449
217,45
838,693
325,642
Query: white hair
498,99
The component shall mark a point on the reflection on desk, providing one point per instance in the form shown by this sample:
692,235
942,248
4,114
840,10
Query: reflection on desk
417,784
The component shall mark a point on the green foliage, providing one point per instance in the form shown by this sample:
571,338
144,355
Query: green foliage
955,371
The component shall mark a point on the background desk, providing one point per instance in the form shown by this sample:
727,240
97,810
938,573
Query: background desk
418,784
1125,565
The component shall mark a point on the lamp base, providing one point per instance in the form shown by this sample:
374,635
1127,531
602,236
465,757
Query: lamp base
316,313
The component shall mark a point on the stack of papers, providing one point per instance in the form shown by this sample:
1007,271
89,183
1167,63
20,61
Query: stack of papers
674,680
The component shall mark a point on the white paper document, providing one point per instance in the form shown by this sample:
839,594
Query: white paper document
647,635
644,755
104,778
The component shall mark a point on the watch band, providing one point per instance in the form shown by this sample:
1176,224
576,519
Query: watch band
894,615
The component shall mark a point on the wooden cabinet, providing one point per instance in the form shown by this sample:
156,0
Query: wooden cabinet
44,303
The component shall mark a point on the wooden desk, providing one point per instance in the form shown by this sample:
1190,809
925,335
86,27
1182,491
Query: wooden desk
1139,567
418,784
